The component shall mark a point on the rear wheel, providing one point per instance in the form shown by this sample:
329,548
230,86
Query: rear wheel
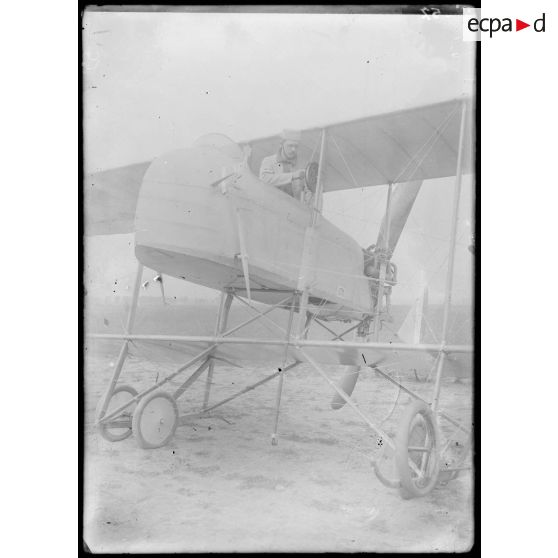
120,427
416,452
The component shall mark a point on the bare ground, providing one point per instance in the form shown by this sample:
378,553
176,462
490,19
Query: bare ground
221,486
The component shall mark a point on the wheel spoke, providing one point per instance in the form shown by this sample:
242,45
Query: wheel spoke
119,424
414,468
416,450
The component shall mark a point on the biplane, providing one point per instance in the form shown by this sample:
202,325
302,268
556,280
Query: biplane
202,215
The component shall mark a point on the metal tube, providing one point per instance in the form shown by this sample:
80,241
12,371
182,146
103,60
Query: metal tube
309,241
351,403
259,313
325,327
243,252
297,343
279,291
162,382
187,383
135,296
303,286
352,328
383,266
451,260
415,396
220,325
281,375
247,389
319,183
338,335
254,318
124,349
209,377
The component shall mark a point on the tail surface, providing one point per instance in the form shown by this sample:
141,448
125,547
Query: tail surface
413,326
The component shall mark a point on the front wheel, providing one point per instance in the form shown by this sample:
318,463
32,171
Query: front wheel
155,420
417,448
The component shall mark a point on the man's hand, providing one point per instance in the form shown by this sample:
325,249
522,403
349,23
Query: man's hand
297,188
299,175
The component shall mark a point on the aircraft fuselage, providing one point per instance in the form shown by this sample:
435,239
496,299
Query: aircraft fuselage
201,210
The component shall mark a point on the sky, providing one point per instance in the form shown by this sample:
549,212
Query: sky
154,82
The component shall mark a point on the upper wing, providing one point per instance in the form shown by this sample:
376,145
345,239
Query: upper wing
110,199
413,144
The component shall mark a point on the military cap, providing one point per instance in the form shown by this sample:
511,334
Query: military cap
290,135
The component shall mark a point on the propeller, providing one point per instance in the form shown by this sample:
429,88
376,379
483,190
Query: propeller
348,383
402,201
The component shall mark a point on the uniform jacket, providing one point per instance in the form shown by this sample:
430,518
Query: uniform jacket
278,171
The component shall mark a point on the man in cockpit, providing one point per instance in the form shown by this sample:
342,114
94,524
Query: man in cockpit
278,170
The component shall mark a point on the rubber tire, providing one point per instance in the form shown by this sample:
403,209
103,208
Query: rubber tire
138,413
408,487
386,456
102,428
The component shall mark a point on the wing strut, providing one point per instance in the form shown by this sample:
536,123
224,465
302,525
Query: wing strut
243,253
383,265
309,241
449,276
